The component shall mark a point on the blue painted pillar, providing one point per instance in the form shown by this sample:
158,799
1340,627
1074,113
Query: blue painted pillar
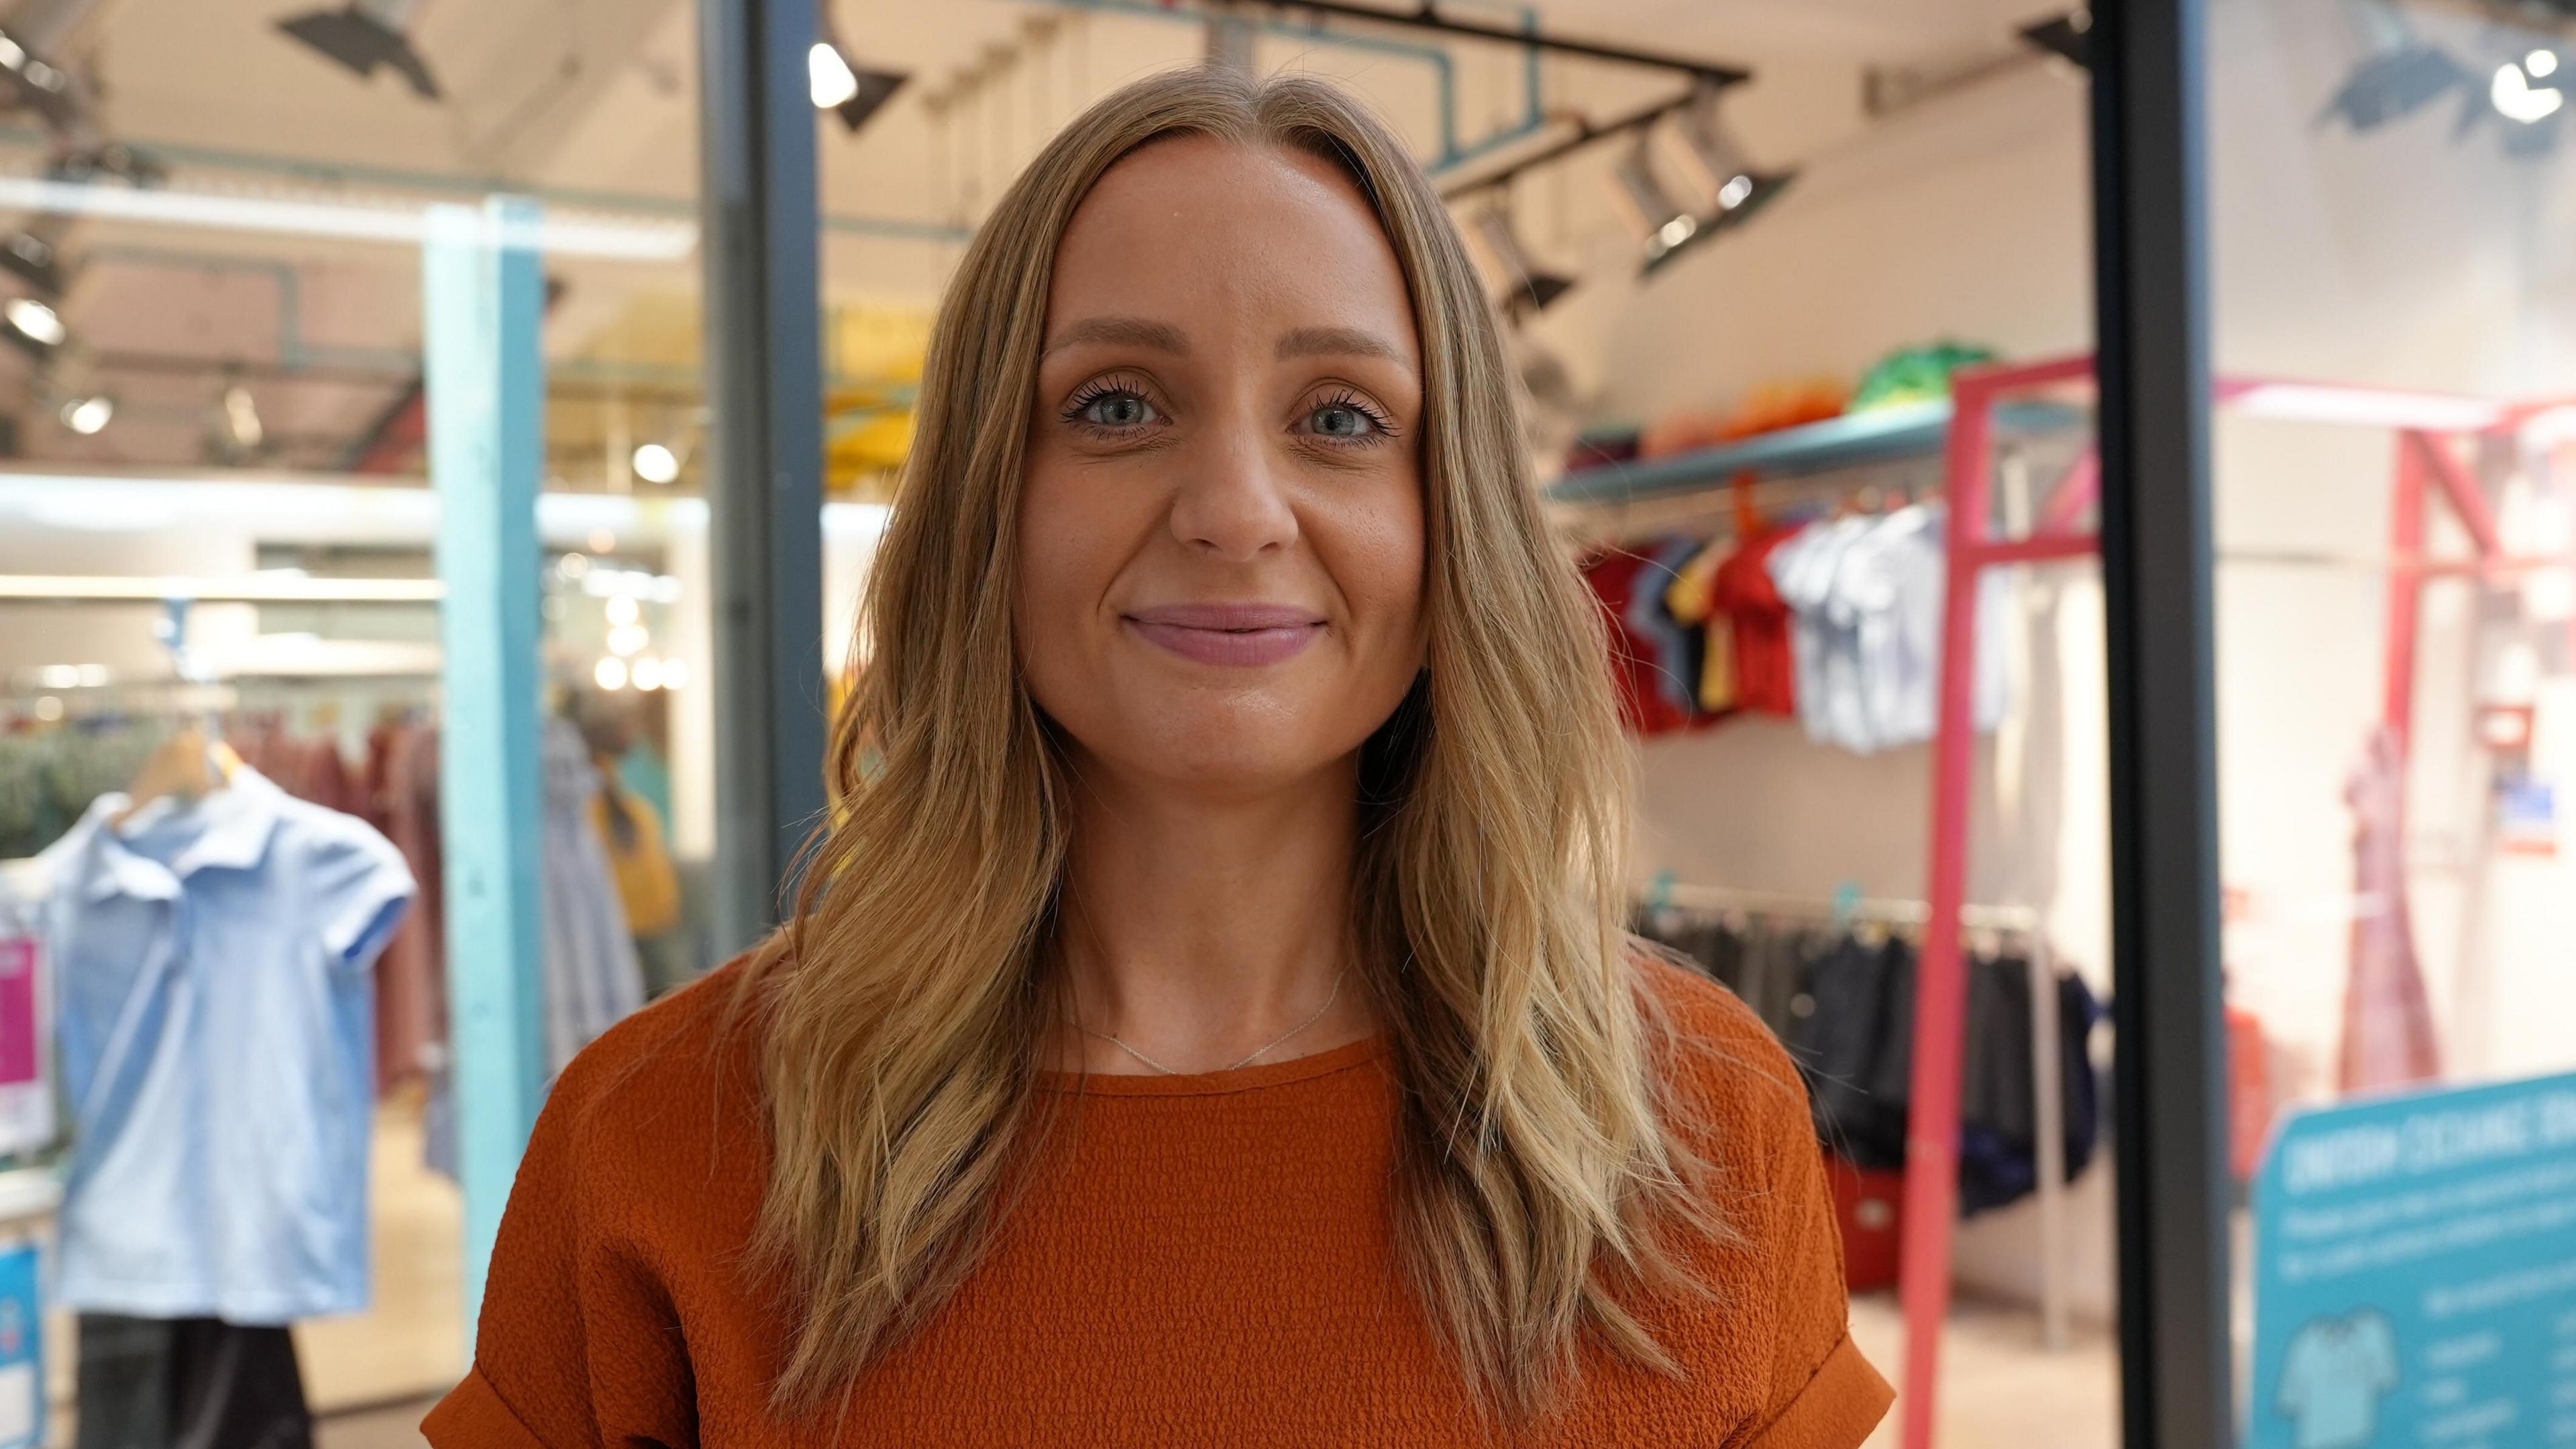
482,296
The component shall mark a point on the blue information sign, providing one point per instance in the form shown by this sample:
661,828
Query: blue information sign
22,1360
2415,1273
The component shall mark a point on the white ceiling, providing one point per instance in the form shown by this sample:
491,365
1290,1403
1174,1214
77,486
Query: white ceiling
597,97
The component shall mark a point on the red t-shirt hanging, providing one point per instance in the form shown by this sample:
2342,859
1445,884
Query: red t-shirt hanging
1766,675
1643,704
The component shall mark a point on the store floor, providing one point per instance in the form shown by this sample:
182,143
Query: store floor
1999,1385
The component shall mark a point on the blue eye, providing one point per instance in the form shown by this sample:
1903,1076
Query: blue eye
1118,409
1341,420
1346,419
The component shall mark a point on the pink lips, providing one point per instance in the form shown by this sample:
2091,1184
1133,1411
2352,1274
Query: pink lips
1238,634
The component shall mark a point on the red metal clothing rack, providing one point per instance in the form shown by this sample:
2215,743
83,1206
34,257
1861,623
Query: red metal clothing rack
2425,425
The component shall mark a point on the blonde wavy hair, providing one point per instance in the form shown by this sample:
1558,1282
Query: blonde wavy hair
1539,1177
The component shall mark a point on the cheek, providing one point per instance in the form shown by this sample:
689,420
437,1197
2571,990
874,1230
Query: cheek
1389,558
1057,565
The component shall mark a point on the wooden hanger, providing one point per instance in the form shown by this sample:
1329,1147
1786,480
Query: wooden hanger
186,767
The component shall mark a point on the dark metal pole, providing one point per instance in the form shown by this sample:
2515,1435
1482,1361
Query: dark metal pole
765,488
2152,305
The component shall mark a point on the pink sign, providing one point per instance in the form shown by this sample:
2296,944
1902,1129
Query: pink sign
18,1024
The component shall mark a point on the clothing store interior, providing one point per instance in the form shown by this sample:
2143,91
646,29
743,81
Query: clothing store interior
1802,296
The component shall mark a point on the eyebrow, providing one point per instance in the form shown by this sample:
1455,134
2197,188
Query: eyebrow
1123,331
1340,342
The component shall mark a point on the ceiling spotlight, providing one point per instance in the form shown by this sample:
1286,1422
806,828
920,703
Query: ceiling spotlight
108,161
828,72
2517,99
31,259
609,673
241,418
1527,287
655,463
365,34
1741,188
32,325
2541,63
853,92
2398,75
87,416
2069,37
1662,223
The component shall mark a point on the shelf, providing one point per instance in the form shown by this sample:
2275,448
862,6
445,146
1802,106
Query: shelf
28,1193
1881,435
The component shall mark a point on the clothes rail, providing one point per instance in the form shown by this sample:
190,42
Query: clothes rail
2047,1079
1881,910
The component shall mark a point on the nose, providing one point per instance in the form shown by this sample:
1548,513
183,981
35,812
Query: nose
1230,503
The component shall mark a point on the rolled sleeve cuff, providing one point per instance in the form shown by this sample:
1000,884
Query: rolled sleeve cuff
473,1416
1836,1410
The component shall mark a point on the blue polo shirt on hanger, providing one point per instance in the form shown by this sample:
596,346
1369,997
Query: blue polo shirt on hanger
217,1032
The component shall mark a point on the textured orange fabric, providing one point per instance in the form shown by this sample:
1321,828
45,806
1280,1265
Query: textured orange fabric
1199,1260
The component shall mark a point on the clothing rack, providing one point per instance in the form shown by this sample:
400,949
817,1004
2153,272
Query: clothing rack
2048,1082
1976,436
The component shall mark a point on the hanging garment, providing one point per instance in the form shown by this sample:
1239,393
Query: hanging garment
1893,586
593,980
216,1027
2387,1018
411,975
1679,648
189,1383
1692,601
1824,638
1749,604
1643,706
639,859
1868,596
1839,1043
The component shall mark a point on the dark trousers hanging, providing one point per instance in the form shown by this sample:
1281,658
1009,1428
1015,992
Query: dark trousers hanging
188,1383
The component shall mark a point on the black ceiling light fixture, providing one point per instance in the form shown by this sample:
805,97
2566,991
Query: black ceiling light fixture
32,259
2399,73
1663,225
2069,37
1527,286
36,84
365,34
1737,186
842,86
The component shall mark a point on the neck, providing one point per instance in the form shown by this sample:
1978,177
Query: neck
1198,929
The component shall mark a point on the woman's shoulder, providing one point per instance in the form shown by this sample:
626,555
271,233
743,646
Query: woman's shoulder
672,1086
1729,1084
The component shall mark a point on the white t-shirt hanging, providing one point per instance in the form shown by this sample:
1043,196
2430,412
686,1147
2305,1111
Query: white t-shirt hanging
1868,594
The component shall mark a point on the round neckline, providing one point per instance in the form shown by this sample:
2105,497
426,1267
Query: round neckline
1209,1084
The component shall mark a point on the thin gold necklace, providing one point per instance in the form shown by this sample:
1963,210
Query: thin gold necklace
1129,1048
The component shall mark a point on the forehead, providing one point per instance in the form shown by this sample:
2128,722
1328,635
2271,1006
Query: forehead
1194,231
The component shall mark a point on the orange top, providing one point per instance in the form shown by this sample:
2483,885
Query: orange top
1201,1260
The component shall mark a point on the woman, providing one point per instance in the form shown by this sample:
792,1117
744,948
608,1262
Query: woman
1208,1020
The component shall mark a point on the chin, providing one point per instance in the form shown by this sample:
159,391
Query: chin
1221,752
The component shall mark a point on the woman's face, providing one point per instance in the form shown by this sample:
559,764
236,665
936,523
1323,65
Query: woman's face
1220,533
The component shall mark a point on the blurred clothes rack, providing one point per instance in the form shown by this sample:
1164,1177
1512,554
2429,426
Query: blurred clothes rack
1829,610
1834,979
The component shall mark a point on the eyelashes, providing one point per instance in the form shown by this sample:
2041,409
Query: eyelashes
1381,427
1116,407
1079,409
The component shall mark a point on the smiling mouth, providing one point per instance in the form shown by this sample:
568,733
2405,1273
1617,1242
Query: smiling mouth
1232,635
